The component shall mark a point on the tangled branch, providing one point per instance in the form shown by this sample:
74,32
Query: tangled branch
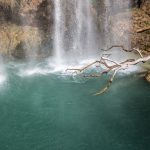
109,65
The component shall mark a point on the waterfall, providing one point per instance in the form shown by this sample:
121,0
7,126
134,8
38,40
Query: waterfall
107,15
58,31
116,26
116,21
74,30
84,38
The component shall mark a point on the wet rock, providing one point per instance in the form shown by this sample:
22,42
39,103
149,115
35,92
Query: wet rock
37,13
124,27
22,38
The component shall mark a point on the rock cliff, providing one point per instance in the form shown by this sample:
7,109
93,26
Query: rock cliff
28,25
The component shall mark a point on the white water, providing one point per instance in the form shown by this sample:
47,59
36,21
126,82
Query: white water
3,75
73,38
80,46
58,32
117,23
85,36
75,31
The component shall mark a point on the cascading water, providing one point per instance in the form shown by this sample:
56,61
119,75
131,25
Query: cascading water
114,20
107,22
74,36
83,39
116,26
58,31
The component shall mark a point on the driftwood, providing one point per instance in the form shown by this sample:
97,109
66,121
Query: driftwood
109,65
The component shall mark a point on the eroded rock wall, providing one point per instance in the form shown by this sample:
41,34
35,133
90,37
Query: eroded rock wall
25,26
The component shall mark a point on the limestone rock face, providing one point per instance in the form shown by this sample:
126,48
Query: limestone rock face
25,26
9,3
141,40
28,12
18,40
146,6
35,11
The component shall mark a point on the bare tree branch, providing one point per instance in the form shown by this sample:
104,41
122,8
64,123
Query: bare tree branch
119,46
124,49
107,65
143,29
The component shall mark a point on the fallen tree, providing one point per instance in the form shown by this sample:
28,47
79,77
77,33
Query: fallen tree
108,65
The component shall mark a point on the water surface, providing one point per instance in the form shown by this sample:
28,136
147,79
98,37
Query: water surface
59,112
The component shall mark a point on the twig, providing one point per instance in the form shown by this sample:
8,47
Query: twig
84,68
115,67
138,52
119,46
143,29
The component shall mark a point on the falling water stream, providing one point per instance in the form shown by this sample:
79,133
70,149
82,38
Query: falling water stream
81,31
58,31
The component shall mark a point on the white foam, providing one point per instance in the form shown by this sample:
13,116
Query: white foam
3,79
50,67
33,71
3,75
